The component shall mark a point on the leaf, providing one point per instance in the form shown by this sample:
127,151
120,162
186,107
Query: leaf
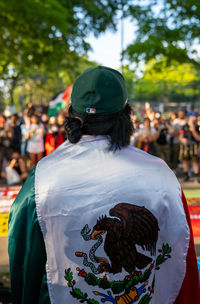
160,259
145,275
117,287
91,279
145,299
133,281
78,293
153,283
166,249
68,275
92,301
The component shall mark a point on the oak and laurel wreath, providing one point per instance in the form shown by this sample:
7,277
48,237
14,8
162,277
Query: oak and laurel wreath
76,292
118,287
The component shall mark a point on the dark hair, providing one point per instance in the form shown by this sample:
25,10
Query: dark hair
118,126
10,153
37,117
147,119
15,116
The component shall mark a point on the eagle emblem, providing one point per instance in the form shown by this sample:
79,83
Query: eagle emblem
126,226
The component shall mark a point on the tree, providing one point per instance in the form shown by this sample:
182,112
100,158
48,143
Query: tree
40,85
161,82
48,35
169,28
130,77
35,31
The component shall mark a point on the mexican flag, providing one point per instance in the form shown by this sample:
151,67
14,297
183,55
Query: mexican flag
60,101
92,226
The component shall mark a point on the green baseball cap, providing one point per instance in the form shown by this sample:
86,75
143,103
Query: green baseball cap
99,90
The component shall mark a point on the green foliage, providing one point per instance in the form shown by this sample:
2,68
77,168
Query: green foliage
133,281
145,299
92,301
176,81
45,40
68,275
36,31
78,294
129,76
82,297
166,249
117,287
167,28
145,275
160,259
91,279
42,84
43,45
153,283
105,284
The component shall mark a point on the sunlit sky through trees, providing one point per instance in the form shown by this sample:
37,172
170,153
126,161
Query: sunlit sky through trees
107,47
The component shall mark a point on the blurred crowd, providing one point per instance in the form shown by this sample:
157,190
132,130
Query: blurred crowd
175,139
25,139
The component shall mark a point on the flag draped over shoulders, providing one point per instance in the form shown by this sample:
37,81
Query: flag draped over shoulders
26,249
79,189
190,290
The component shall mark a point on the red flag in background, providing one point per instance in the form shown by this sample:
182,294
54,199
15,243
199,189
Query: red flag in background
67,94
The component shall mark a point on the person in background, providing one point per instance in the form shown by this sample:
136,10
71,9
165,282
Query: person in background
35,140
29,110
172,116
45,126
190,146
44,122
172,134
2,136
136,125
161,143
6,136
15,171
52,120
24,129
194,125
53,139
16,129
177,124
2,120
146,137
60,123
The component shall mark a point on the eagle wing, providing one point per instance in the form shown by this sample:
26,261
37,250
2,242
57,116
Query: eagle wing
139,225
